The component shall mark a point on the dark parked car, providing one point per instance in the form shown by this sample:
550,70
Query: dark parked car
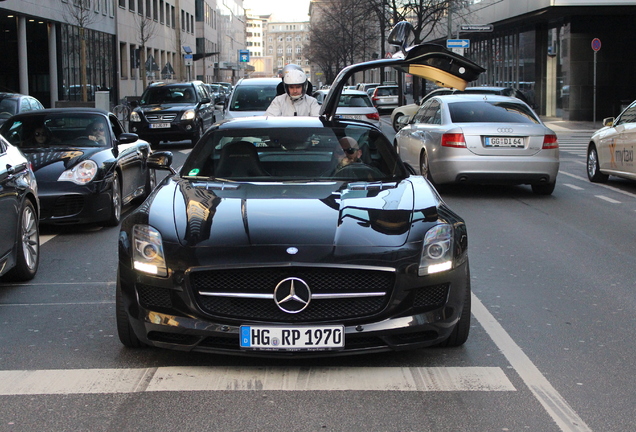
86,166
297,236
19,211
172,112
14,103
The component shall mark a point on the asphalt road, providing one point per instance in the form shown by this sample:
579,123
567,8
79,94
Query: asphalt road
551,346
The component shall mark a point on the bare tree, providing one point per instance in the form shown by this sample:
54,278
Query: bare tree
146,28
343,34
78,13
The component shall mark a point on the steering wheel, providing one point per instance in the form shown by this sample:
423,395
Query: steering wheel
359,171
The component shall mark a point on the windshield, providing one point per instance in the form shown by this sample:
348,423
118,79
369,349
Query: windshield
8,107
252,98
294,154
490,112
58,130
168,94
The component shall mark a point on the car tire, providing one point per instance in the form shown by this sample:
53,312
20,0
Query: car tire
460,332
424,167
396,125
197,134
543,188
28,245
115,202
124,330
593,167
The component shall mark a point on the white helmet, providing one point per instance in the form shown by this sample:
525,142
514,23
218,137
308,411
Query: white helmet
294,75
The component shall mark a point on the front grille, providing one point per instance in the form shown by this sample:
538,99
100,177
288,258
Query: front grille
68,205
320,281
160,118
152,298
431,296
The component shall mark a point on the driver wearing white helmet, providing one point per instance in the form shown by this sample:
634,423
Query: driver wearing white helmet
295,101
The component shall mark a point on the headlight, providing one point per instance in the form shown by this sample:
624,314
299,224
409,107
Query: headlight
148,251
437,250
134,117
188,115
81,173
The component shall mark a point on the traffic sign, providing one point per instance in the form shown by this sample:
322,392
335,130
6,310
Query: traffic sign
476,27
457,43
596,44
244,56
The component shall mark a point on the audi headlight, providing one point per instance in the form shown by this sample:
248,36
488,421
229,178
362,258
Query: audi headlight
81,173
188,115
437,250
135,117
147,251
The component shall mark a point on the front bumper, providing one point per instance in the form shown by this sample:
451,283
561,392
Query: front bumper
179,130
416,317
65,203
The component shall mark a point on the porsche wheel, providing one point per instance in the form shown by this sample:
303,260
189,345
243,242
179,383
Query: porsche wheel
115,202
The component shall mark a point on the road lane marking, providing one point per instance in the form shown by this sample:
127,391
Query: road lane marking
556,406
608,199
571,186
46,237
612,188
202,378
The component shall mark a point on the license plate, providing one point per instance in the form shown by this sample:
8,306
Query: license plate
504,142
159,125
354,117
294,338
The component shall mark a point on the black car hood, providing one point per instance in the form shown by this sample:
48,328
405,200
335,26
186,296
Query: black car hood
68,157
226,214
166,108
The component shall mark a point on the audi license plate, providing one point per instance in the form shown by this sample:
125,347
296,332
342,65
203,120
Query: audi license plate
504,142
159,125
294,338
354,117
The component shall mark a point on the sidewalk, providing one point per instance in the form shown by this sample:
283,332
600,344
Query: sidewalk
557,124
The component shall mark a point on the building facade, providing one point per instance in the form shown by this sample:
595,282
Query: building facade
285,43
123,43
571,57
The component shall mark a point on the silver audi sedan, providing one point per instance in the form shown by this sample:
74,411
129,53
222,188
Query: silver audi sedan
491,139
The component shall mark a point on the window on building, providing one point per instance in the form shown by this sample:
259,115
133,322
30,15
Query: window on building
140,7
172,16
155,10
122,3
289,38
161,15
148,11
123,61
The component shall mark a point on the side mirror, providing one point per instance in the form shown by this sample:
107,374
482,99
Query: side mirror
127,138
608,121
205,100
402,35
161,160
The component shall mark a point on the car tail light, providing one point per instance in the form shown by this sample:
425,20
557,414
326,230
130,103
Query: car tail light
373,116
550,142
453,140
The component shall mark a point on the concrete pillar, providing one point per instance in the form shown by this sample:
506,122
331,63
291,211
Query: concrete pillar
102,100
23,69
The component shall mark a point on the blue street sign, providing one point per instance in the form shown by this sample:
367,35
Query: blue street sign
244,56
457,43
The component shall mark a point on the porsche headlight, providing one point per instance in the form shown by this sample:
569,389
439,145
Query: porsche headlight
147,251
437,250
81,173
188,115
135,117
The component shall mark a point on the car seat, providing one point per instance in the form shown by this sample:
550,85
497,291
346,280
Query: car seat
239,159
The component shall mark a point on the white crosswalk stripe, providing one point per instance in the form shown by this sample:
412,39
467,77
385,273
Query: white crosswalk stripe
169,379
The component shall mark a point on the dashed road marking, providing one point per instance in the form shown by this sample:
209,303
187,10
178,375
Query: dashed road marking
608,199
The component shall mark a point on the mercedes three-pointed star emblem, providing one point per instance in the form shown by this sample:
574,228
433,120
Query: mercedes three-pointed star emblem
292,295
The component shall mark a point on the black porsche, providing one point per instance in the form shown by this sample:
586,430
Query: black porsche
298,236
86,166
